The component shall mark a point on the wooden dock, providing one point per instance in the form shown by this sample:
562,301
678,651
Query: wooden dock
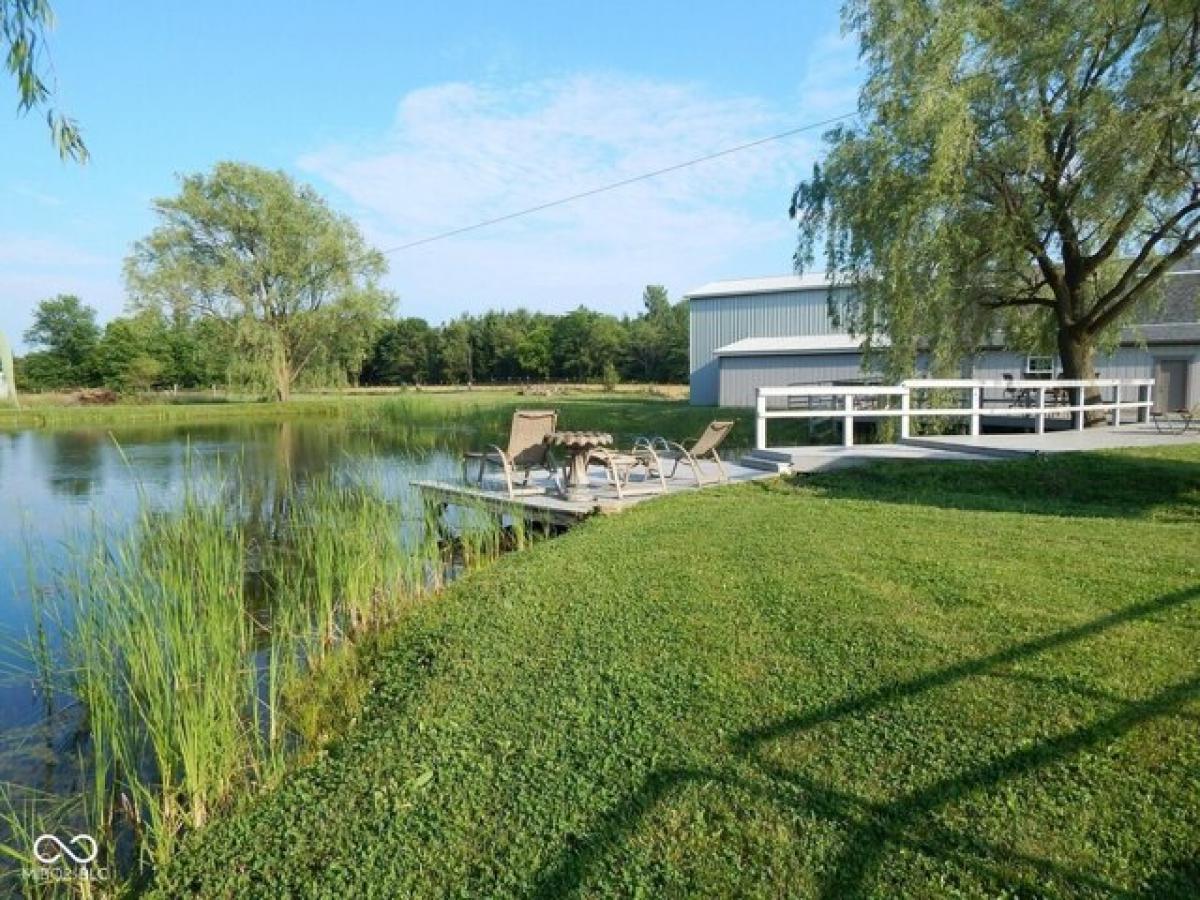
541,502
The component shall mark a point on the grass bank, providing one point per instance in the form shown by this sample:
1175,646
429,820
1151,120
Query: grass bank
967,680
354,406
209,645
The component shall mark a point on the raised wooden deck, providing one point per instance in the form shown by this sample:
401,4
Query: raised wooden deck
541,502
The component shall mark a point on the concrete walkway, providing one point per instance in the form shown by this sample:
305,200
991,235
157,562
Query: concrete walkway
1103,438
964,447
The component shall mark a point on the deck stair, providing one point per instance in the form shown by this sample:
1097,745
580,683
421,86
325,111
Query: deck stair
777,461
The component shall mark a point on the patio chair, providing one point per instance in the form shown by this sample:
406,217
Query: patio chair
1178,421
692,452
618,466
527,449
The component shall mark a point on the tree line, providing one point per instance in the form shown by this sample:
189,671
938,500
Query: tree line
251,281
147,350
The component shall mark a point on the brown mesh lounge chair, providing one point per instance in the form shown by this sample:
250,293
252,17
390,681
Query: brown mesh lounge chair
658,451
527,448
619,466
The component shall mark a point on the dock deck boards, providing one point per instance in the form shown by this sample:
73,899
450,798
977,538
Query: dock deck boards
541,501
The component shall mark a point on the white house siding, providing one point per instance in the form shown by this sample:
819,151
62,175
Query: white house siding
741,376
717,321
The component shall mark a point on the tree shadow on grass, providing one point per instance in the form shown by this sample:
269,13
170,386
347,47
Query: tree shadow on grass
1076,484
873,829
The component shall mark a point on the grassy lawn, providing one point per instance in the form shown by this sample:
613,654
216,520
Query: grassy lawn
478,413
929,680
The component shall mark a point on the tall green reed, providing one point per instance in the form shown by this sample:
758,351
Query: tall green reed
184,670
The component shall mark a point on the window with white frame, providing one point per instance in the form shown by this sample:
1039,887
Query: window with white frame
1040,366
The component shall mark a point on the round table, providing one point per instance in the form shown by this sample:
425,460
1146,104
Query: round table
578,446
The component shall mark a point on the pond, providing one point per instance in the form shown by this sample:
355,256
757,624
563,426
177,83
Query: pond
59,485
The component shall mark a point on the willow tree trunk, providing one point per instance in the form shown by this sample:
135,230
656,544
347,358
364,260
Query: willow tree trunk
281,372
1077,353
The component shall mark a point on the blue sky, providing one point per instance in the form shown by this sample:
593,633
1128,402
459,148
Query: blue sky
417,118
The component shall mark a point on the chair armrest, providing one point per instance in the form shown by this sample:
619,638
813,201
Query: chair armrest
676,446
645,449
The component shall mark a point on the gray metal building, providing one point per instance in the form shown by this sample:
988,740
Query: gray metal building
762,332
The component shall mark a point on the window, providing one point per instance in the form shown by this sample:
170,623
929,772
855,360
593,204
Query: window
1040,366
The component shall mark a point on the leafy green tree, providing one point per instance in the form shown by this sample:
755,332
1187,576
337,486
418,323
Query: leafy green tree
401,355
66,328
656,302
572,333
535,353
455,353
134,353
1033,166
294,281
658,338
23,27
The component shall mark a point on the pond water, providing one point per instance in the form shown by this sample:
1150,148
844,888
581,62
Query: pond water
56,486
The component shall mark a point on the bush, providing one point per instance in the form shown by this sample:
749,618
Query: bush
610,378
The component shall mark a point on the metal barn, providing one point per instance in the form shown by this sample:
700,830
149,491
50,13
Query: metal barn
777,331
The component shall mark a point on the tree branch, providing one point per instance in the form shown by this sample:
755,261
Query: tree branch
1100,313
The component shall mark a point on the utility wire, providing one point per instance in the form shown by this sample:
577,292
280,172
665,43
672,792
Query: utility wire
645,176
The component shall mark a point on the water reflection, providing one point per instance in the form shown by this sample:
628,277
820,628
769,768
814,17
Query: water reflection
74,462
53,484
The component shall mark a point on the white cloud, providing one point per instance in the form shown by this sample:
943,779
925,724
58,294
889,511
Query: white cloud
461,153
28,252
832,77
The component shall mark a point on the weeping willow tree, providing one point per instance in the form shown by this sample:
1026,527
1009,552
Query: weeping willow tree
23,28
1030,168
292,283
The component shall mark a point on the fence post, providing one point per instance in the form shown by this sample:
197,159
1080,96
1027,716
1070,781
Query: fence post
1041,414
904,407
976,396
760,422
848,420
1079,422
1143,395
1116,404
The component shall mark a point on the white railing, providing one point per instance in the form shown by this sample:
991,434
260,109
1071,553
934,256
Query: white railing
1019,398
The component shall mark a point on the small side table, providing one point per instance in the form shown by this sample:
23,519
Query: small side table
578,446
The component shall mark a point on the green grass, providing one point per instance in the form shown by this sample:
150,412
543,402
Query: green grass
454,418
941,680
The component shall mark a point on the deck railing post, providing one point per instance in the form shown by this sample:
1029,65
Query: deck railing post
760,422
1027,399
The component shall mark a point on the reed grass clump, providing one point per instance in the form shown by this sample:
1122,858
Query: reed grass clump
189,637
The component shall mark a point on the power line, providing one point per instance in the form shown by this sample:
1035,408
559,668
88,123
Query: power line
645,176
